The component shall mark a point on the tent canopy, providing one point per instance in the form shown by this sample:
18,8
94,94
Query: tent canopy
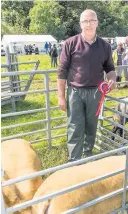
27,38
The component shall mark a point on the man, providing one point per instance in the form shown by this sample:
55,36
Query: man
46,47
53,54
83,59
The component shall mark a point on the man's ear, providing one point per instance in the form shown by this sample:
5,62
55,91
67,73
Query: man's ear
97,23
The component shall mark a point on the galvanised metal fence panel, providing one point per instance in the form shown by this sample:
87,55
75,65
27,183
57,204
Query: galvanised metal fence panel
47,91
49,138
88,204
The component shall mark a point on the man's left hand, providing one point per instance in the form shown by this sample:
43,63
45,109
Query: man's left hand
112,84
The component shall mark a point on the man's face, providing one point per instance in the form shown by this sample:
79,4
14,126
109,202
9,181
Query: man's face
89,24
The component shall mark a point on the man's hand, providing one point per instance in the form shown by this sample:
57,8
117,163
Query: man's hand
112,84
62,103
111,76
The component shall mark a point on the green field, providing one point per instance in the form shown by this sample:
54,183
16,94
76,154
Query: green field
57,155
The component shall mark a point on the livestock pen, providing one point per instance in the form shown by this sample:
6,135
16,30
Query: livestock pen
52,125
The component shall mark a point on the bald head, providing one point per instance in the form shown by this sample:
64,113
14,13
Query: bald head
88,12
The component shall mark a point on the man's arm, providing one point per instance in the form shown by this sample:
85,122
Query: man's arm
61,87
62,75
110,70
111,76
61,94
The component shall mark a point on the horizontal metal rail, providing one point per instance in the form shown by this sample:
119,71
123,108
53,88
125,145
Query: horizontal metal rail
15,94
3,83
116,99
107,146
107,99
59,127
20,63
58,136
114,135
93,202
23,124
11,73
58,118
110,140
39,140
53,169
116,112
124,82
34,132
31,123
69,189
121,66
4,66
22,112
116,124
23,134
46,139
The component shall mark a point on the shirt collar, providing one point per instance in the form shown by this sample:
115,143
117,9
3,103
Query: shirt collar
92,41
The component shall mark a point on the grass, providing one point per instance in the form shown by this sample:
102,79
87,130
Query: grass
58,154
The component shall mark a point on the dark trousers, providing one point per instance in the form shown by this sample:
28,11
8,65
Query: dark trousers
54,61
82,122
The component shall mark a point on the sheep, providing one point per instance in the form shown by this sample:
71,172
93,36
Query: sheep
120,119
74,175
19,159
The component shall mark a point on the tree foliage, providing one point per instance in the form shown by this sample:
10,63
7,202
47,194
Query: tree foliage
61,18
45,19
15,15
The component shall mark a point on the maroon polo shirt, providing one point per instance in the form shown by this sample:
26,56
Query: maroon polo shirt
82,64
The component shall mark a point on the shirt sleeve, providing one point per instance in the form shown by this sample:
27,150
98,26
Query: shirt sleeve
64,64
109,64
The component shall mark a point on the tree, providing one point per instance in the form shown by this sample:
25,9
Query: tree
45,20
9,29
112,16
16,13
61,19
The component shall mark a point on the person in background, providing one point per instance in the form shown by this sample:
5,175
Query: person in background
49,46
117,58
26,49
83,60
53,54
30,49
46,47
125,62
59,49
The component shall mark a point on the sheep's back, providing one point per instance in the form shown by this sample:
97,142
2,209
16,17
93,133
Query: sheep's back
77,174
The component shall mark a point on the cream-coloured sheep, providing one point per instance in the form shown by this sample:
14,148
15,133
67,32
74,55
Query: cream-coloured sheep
19,159
75,175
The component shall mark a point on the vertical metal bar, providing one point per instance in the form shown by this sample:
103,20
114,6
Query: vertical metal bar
124,120
3,210
125,183
13,84
8,61
46,81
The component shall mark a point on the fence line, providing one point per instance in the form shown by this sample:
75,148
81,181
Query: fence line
88,204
